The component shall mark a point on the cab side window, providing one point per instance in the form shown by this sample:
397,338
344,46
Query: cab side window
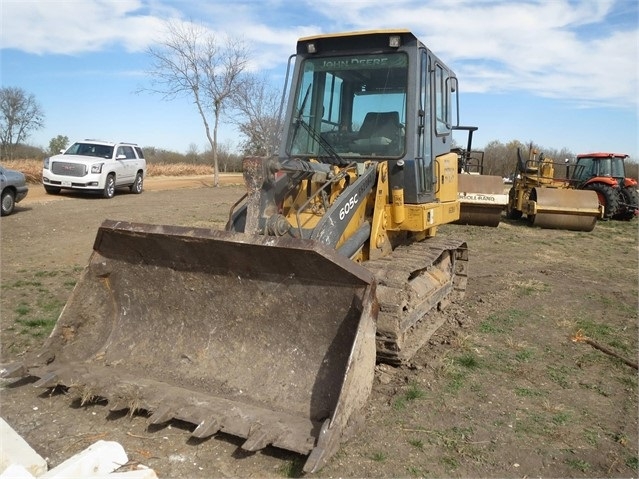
442,113
126,151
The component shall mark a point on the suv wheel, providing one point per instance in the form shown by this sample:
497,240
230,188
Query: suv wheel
8,202
136,187
109,186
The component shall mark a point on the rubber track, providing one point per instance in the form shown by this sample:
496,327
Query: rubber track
415,283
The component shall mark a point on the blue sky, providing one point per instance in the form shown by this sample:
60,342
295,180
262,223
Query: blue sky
561,73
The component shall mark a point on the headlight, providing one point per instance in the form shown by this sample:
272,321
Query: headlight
46,164
96,168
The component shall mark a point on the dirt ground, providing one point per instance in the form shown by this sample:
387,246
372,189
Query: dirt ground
502,390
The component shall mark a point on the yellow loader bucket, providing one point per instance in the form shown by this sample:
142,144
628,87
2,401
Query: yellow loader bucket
562,208
269,339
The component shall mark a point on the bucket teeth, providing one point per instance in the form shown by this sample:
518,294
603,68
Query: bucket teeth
15,370
48,380
258,439
206,428
161,415
115,406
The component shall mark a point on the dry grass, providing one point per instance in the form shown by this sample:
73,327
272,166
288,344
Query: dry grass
178,169
33,169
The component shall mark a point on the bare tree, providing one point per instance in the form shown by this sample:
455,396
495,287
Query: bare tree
258,105
500,159
190,61
229,161
193,153
632,169
20,114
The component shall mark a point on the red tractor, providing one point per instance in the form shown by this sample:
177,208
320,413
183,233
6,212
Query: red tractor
605,174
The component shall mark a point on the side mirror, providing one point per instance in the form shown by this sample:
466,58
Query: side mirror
120,157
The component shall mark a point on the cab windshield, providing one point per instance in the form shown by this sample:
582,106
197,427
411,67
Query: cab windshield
618,170
350,106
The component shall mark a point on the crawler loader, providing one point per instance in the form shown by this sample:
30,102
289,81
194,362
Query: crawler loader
270,329
549,201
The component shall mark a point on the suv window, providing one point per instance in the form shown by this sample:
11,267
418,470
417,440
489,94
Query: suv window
90,149
138,150
126,151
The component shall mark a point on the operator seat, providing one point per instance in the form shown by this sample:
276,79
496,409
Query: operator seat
524,166
381,133
381,124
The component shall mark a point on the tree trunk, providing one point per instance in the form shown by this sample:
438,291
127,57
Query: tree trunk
212,141
216,169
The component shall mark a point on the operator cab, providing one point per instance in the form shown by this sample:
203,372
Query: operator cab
379,95
357,104
593,165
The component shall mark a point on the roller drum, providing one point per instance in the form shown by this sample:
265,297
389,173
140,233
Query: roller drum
560,208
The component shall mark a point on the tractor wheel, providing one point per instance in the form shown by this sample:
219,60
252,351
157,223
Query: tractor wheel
608,197
629,204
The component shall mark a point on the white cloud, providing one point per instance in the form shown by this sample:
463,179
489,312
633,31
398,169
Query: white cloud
556,62
552,48
74,26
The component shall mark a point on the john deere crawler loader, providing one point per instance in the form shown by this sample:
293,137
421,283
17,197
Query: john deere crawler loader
270,330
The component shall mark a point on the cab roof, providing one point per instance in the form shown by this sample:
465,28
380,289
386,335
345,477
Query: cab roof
602,155
398,31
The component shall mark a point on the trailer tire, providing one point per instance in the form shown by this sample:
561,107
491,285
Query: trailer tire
608,197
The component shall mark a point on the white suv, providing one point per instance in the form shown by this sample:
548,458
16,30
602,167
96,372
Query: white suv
97,166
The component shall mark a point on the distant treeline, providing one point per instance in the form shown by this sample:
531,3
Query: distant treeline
229,162
498,158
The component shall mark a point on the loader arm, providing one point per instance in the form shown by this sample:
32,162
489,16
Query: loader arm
338,196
